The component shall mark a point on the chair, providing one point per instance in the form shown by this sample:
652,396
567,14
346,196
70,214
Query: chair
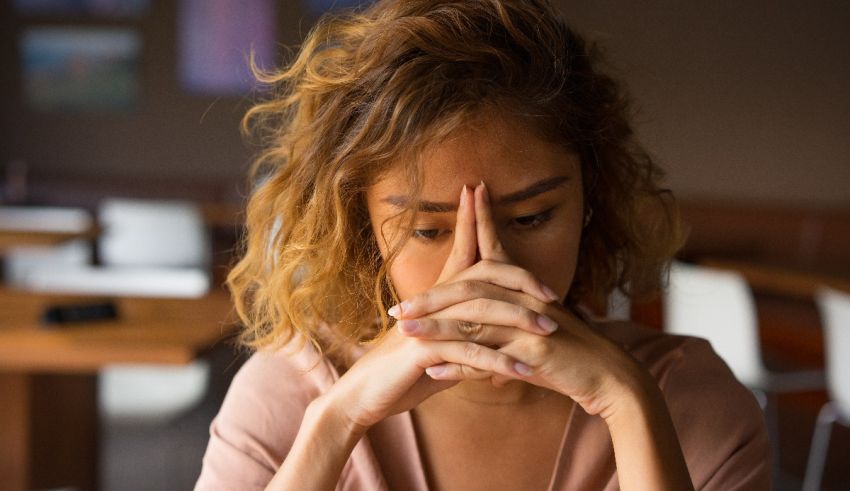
140,234
834,307
619,306
718,305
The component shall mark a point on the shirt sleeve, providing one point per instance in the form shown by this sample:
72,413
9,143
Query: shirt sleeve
258,421
718,421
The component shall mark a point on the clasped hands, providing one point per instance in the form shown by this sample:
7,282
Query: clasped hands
497,308
486,318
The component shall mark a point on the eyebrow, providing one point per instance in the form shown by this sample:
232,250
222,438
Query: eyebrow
529,192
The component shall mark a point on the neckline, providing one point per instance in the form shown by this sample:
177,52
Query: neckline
419,468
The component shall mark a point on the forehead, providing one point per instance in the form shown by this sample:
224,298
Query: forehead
506,153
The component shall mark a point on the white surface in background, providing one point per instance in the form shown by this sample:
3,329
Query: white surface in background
132,393
45,219
119,281
19,262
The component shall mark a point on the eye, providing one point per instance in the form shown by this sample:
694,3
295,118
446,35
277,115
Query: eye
428,234
532,221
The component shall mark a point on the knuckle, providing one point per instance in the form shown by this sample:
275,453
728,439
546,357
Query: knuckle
423,299
471,351
503,364
538,348
478,306
528,278
529,319
466,288
413,351
422,350
417,346
466,371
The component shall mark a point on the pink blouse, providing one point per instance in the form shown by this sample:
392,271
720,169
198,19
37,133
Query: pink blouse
719,424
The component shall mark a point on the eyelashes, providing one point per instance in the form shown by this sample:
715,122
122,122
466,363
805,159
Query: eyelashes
428,234
525,222
533,221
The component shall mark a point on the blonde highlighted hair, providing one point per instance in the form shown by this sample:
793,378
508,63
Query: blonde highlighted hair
371,89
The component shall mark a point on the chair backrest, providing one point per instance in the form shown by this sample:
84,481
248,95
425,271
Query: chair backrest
619,306
152,233
834,309
718,306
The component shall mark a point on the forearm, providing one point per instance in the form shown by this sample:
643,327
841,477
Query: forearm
646,448
320,450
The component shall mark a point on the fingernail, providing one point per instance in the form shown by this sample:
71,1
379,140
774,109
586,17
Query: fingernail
435,371
484,194
398,309
408,326
522,369
550,294
546,323
463,196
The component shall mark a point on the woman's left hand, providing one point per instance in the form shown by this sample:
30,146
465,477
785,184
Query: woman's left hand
559,350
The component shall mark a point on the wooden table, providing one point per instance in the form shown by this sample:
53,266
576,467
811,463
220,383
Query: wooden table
48,398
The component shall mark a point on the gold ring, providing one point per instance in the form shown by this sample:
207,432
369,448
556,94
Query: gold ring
468,328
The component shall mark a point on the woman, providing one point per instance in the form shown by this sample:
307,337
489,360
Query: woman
465,164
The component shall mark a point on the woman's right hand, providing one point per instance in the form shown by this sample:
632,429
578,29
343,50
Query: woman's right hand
390,378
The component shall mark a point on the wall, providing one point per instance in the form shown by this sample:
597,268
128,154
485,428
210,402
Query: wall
739,101
171,134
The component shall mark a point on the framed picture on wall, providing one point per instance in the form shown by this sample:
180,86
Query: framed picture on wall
80,68
99,8
216,39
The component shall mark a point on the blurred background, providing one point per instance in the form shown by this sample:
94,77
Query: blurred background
120,123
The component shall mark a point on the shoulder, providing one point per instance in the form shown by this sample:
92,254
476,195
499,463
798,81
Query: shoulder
671,358
718,421
261,414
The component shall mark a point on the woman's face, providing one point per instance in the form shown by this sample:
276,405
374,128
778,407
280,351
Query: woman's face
536,194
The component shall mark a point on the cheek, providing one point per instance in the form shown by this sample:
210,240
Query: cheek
551,257
415,271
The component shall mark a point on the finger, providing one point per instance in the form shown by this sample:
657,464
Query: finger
444,295
475,356
488,240
465,245
508,276
479,302
453,371
454,330
498,313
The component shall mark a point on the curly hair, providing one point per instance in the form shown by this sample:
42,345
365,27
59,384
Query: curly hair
371,89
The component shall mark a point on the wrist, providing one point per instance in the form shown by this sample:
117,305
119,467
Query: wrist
646,448
637,396
321,448
327,411
627,391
